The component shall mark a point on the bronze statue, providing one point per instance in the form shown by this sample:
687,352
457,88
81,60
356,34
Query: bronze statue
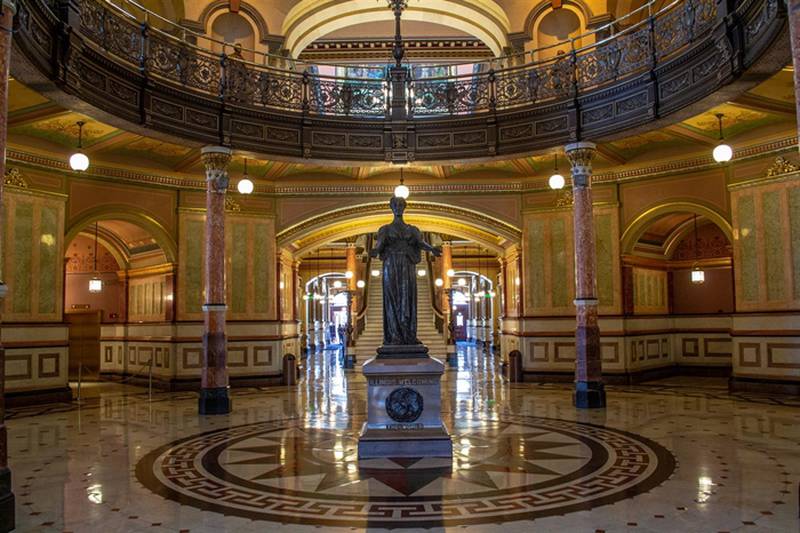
399,246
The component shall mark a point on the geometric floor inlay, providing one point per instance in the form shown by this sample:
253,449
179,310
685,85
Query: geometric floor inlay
514,468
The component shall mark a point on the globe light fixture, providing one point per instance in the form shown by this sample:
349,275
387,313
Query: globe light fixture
348,274
462,282
439,282
337,284
281,285
401,191
722,152
79,161
556,181
361,284
375,273
451,273
421,272
245,186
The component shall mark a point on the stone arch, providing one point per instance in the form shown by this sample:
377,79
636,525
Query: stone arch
123,212
429,216
534,19
637,227
311,19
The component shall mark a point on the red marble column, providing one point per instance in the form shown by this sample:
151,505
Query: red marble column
6,496
589,390
794,31
214,397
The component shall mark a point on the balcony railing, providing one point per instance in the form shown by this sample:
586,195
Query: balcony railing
645,39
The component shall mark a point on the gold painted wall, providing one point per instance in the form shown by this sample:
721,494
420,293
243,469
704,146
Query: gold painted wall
650,291
766,244
250,264
33,266
549,257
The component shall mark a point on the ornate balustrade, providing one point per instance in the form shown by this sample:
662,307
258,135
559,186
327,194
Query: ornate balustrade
93,50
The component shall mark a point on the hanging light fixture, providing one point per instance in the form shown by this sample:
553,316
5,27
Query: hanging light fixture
451,273
556,181
361,284
245,185
79,161
401,191
95,284
439,282
698,275
722,152
375,272
421,272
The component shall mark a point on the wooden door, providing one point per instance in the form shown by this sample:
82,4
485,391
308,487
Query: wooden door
84,344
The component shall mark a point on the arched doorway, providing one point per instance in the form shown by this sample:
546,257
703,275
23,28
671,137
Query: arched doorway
116,272
678,264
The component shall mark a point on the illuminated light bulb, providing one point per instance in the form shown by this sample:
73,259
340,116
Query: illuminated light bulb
462,282
282,285
722,153
421,272
450,272
337,284
375,273
79,161
245,186
556,182
439,282
698,276
401,191
349,274
361,284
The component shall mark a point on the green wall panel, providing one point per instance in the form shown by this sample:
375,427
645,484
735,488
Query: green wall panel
192,271
261,270
746,215
535,264
238,279
773,245
558,264
794,230
22,258
605,259
49,268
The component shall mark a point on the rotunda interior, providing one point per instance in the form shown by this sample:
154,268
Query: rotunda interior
190,297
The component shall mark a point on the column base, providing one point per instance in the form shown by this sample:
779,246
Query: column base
7,518
214,401
589,395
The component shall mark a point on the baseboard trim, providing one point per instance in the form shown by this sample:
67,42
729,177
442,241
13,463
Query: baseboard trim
36,397
770,386
193,384
631,378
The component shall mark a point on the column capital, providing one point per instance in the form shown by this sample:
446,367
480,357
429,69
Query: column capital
580,156
216,159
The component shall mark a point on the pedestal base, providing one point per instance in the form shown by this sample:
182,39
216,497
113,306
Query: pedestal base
214,401
589,395
7,517
429,442
404,398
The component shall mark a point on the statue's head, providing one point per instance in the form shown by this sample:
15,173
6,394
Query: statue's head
398,205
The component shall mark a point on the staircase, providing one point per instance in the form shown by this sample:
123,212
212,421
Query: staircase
372,336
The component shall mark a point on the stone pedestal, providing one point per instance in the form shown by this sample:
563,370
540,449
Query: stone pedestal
404,416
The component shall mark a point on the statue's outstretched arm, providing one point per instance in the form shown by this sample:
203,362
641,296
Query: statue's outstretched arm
379,244
435,250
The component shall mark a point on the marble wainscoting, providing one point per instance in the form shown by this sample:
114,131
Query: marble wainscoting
633,348
766,352
37,362
255,352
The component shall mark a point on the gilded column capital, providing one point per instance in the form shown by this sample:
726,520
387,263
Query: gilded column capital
580,157
216,159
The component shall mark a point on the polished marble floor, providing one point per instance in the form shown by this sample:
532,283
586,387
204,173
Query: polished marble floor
674,455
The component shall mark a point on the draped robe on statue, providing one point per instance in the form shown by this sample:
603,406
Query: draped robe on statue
399,246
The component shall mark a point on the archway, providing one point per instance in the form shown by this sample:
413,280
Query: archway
116,273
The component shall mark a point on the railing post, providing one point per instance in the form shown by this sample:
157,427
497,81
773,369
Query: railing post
223,74
492,91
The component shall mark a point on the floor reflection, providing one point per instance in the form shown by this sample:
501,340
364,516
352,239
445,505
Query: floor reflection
120,461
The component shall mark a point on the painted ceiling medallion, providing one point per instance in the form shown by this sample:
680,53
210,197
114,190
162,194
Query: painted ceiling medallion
517,468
